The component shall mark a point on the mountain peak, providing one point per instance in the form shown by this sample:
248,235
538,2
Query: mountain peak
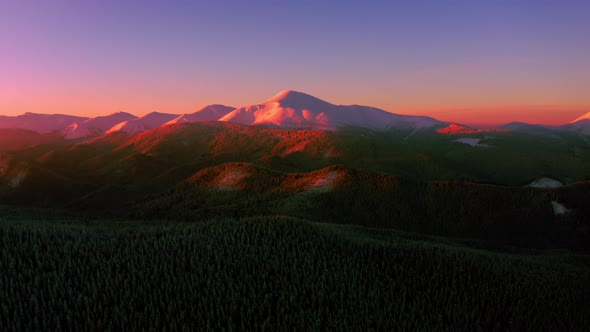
156,116
293,109
121,113
583,117
215,107
297,100
290,94
152,114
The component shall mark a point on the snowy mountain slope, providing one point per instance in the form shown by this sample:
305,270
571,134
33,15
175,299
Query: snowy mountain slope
146,122
95,126
581,118
108,121
41,123
292,109
207,113
580,125
75,131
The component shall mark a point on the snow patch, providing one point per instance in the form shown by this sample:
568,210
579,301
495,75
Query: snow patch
559,209
231,180
545,183
207,113
75,131
324,183
470,141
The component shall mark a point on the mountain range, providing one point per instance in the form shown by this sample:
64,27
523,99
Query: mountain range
299,156
287,109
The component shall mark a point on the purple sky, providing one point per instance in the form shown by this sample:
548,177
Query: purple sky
530,59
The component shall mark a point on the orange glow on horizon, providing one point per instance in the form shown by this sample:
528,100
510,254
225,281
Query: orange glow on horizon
552,115
485,116
17,99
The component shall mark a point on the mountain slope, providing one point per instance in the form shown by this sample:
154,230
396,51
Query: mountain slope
18,139
95,126
292,109
580,125
146,122
526,127
107,122
246,176
218,140
75,131
41,123
207,113
583,117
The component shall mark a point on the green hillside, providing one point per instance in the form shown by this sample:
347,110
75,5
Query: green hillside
276,273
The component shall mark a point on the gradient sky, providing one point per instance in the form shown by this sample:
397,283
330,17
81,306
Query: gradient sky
476,62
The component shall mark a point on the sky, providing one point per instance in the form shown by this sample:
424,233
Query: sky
474,62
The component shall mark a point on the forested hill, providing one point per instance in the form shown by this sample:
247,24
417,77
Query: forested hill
276,273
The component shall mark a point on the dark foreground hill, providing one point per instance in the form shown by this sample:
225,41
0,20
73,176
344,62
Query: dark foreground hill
276,273
519,216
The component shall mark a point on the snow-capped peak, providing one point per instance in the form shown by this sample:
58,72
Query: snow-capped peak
295,99
292,109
